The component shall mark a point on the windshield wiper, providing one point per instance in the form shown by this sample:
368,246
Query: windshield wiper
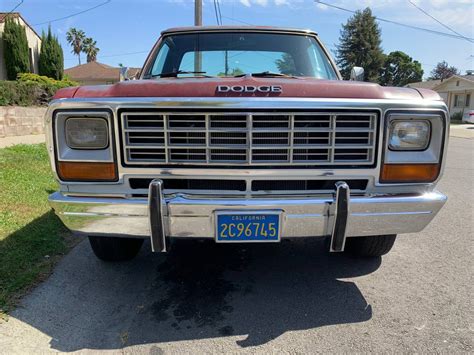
270,74
174,74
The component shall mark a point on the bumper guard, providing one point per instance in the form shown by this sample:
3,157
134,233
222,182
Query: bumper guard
192,216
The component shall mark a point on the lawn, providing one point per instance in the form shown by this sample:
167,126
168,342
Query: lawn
32,238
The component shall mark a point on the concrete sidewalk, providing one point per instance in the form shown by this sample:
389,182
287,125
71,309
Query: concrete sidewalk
462,130
30,139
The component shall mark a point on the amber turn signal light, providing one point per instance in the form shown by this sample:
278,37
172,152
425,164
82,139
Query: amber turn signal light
409,173
83,171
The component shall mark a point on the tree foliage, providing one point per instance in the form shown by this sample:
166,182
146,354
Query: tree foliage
400,69
359,45
286,65
51,59
15,46
30,89
89,47
76,38
233,72
443,71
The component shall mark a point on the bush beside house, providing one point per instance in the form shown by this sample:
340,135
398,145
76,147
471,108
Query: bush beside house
30,90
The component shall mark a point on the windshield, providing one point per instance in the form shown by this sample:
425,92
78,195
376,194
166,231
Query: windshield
234,54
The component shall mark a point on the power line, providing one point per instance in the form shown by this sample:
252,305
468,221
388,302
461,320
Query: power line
216,12
235,20
219,10
115,55
74,14
16,7
439,33
441,23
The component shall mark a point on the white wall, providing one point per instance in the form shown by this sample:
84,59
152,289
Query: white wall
461,87
34,42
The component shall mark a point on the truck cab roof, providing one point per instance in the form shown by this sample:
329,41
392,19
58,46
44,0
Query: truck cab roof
176,30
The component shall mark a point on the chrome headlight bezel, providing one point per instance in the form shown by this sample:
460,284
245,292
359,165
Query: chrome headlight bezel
430,159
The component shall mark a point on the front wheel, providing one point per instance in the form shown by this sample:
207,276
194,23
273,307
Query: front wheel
371,246
115,249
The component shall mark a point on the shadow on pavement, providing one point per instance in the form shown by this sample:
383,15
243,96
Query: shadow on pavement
200,290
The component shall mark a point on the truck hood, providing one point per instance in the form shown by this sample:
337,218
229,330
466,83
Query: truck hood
207,87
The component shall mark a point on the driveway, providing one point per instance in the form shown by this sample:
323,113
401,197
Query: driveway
292,296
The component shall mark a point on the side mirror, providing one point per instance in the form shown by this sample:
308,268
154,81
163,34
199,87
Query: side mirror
357,74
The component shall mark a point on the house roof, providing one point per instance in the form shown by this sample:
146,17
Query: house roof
469,78
3,17
433,84
96,71
429,84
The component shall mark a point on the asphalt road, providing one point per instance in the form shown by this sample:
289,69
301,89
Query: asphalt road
290,297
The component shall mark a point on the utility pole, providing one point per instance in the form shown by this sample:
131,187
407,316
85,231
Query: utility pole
197,12
226,63
197,22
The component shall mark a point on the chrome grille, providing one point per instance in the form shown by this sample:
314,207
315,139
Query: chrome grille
339,138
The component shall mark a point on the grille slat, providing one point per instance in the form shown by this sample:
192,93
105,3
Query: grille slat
339,138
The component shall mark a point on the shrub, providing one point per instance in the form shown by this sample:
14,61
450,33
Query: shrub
457,116
30,90
15,46
21,94
45,81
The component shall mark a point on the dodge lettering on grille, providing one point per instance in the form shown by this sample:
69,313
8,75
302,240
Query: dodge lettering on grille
249,89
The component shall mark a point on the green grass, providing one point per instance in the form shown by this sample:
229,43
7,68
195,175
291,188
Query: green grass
31,237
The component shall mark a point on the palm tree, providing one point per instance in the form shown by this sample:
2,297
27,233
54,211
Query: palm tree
89,47
76,38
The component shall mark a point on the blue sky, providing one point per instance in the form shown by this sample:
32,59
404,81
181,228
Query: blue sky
126,30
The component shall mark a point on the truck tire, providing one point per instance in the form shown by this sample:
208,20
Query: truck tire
371,246
115,249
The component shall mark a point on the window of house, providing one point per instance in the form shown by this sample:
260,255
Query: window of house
458,100
468,100
457,83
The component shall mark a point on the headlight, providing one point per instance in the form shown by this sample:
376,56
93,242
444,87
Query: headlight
409,135
87,133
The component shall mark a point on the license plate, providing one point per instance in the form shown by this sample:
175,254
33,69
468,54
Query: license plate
248,226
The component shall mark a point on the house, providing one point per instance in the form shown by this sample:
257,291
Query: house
429,84
34,43
95,73
457,91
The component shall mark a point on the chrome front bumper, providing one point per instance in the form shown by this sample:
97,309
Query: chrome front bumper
193,216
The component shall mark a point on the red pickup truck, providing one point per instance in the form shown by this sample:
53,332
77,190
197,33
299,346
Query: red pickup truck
240,135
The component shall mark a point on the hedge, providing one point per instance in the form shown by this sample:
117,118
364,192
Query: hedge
30,90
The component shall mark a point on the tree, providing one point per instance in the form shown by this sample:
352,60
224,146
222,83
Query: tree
89,47
359,45
286,65
15,46
51,58
400,69
76,38
443,71
233,72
